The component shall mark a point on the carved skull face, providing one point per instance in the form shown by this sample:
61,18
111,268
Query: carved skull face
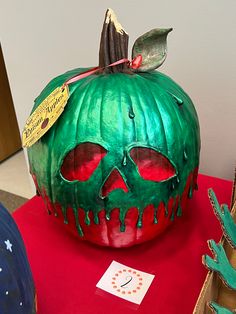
112,178
116,177
120,159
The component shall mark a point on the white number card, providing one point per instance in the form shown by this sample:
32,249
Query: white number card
125,282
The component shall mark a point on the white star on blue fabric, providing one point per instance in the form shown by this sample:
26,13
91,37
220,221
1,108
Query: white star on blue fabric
8,245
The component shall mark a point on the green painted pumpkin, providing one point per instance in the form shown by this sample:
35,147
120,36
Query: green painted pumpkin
120,162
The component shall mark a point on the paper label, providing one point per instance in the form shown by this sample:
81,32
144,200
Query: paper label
45,116
125,282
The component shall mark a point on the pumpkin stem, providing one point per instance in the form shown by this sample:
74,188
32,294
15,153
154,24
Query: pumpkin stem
113,44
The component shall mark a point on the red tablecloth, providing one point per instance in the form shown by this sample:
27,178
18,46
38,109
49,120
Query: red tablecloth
66,270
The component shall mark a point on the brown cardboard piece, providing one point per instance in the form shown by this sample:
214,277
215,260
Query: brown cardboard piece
213,288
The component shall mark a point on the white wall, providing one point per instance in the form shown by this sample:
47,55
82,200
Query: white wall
41,39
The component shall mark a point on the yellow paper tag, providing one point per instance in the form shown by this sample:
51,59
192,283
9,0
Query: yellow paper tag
45,116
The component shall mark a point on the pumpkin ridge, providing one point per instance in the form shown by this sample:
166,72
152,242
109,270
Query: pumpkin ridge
102,105
143,106
169,130
51,160
157,104
86,105
138,103
80,106
122,108
175,111
133,121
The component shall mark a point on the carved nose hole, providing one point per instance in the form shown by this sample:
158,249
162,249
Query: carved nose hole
114,181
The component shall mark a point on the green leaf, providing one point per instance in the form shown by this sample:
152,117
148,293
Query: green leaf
152,46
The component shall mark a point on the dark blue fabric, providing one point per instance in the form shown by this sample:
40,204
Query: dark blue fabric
17,290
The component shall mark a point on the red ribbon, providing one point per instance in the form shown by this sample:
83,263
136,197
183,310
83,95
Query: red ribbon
134,64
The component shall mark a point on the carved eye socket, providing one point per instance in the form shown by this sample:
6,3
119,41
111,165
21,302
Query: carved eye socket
151,164
82,161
